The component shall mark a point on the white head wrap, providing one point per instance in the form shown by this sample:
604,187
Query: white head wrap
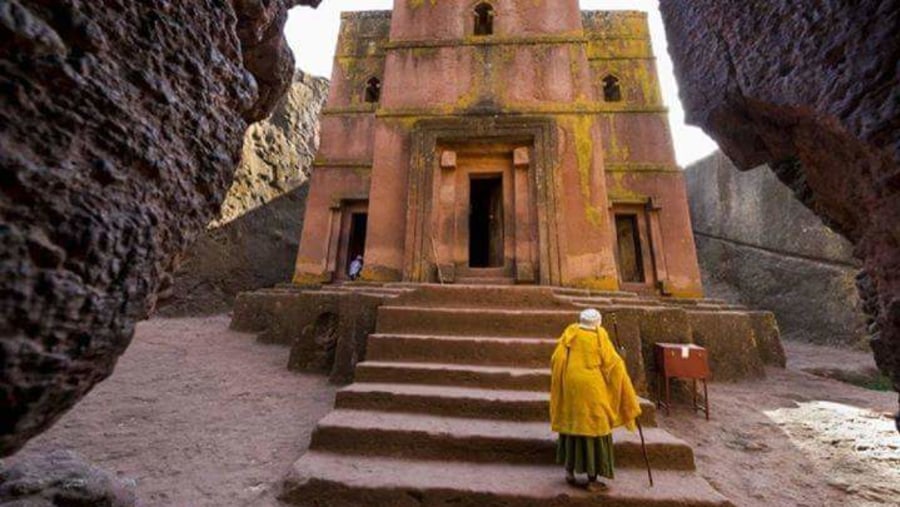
590,318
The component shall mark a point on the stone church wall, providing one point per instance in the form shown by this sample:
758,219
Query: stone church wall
253,242
759,246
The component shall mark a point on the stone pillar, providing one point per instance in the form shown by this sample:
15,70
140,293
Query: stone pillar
525,272
445,218
657,248
334,236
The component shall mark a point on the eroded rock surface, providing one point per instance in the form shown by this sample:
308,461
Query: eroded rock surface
62,478
122,123
759,246
253,242
811,89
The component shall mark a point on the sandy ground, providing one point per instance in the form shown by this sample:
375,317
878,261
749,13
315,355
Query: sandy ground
199,416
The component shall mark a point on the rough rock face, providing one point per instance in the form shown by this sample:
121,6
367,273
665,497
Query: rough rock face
122,123
759,246
62,478
811,89
253,242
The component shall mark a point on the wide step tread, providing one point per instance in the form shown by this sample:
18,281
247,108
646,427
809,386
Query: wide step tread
496,351
474,321
456,402
320,479
478,440
462,375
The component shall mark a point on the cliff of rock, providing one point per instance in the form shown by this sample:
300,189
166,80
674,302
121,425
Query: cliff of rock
122,124
809,88
759,246
253,242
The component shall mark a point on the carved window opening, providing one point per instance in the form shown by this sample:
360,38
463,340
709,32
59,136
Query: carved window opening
612,92
484,19
373,91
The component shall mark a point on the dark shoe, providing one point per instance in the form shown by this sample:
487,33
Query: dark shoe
596,486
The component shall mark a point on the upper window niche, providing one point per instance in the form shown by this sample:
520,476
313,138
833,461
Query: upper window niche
612,92
373,90
484,19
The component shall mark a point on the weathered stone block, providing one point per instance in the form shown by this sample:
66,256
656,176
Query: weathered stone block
731,343
768,338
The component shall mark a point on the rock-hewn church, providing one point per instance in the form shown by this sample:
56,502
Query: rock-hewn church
499,142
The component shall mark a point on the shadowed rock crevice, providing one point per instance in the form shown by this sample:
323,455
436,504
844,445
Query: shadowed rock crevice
122,126
811,89
252,243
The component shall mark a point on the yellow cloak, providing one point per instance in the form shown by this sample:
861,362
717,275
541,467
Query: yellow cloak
590,391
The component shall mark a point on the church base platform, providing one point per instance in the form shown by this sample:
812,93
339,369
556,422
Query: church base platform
330,328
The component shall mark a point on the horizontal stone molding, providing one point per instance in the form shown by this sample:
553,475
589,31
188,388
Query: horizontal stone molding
352,109
641,168
353,164
519,111
486,41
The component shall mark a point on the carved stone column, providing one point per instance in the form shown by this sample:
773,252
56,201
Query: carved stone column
445,219
525,272
334,237
657,249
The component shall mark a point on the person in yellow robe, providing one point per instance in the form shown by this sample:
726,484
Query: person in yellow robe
590,395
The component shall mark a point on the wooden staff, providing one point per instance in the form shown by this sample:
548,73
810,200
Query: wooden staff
638,421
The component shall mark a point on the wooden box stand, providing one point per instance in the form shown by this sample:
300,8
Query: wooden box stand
682,361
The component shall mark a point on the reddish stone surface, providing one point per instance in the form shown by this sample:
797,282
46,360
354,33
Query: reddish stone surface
122,123
811,89
524,104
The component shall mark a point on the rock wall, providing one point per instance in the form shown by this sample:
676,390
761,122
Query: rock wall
253,242
811,89
122,124
759,246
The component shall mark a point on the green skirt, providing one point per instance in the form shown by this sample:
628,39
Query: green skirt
591,455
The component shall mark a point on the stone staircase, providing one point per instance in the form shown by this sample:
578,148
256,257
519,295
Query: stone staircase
451,408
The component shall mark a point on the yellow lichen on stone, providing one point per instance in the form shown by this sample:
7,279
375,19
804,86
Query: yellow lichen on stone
309,279
596,283
582,128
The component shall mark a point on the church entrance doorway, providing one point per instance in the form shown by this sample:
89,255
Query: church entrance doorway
486,231
356,244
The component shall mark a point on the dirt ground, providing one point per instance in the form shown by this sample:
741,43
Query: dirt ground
200,415
798,439
196,414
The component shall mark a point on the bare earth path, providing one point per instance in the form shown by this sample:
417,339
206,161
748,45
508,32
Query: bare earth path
197,414
798,439
203,416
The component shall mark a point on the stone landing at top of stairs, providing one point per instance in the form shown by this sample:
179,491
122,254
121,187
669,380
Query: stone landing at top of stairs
450,407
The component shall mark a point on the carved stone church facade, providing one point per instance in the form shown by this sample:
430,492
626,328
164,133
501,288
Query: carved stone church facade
504,142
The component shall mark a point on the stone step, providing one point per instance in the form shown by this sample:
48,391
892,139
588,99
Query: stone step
371,288
461,375
485,351
457,402
478,440
484,280
474,321
589,301
483,296
319,479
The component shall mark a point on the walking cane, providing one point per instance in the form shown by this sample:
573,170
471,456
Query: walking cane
639,427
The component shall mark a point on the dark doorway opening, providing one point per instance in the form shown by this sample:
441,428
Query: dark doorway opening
631,262
356,243
486,222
